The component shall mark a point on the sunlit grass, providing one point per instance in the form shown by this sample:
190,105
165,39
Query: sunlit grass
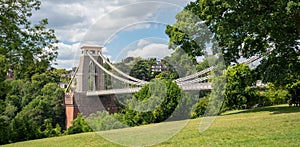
268,126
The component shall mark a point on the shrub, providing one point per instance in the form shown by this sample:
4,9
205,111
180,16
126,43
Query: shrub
276,95
238,94
199,108
104,121
154,103
79,125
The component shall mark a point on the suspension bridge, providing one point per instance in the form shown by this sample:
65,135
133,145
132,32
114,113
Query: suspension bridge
87,90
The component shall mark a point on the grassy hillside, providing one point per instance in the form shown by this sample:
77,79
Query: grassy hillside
268,126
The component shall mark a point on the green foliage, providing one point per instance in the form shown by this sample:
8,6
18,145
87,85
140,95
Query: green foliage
3,88
79,125
207,62
48,130
46,77
184,107
189,34
245,29
180,64
200,107
167,75
30,105
216,99
24,127
104,121
60,74
238,93
5,129
275,95
154,103
27,48
142,69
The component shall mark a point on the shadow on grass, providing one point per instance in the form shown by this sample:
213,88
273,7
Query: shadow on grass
273,109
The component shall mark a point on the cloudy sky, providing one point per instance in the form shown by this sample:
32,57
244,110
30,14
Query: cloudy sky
124,27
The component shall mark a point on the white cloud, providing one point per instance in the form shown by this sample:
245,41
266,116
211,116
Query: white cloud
151,50
143,42
127,18
104,50
72,21
68,55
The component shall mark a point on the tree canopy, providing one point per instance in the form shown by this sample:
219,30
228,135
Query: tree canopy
29,108
247,28
238,93
28,48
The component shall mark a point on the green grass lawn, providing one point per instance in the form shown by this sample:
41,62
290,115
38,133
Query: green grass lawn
268,126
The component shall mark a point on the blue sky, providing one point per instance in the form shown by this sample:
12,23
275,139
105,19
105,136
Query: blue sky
123,27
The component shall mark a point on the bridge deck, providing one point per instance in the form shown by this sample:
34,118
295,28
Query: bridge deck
113,91
189,87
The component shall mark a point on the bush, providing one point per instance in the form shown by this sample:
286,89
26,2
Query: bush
238,94
199,108
48,131
275,95
79,125
154,103
104,121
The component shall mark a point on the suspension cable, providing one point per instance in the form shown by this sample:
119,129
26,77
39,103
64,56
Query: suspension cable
120,72
111,74
187,78
198,80
73,77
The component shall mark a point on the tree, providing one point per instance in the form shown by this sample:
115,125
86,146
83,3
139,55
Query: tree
79,125
53,95
101,121
4,130
248,28
48,130
30,105
3,88
189,35
180,63
142,69
154,103
24,127
27,48
238,94
200,107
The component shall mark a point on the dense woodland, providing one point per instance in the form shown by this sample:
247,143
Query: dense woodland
31,102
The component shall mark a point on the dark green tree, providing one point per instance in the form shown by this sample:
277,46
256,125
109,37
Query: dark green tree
25,126
154,103
199,108
180,63
189,34
47,129
27,107
248,28
79,125
238,92
28,48
3,87
5,130
142,69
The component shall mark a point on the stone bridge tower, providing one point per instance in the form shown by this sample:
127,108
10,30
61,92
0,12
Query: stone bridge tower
89,77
